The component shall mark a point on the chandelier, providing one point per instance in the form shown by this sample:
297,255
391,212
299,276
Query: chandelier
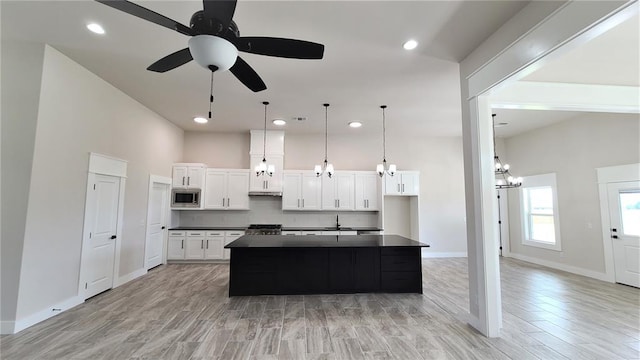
262,168
325,167
383,168
504,178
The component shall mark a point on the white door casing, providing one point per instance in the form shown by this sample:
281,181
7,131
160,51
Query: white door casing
102,199
624,214
157,218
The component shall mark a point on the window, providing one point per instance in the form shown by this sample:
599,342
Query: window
630,211
540,224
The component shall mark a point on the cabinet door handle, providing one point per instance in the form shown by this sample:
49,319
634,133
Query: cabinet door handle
222,202
201,244
402,187
298,202
183,180
188,180
302,202
228,202
398,187
338,202
182,244
207,243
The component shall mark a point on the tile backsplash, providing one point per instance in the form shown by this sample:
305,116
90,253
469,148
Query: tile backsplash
268,210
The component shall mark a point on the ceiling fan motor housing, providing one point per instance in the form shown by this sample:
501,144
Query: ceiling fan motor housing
209,50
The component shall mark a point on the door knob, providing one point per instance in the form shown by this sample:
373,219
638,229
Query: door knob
614,236
162,228
113,237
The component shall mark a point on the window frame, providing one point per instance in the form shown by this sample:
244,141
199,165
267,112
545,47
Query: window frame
532,182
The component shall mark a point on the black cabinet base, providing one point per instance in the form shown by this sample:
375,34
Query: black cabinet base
305,271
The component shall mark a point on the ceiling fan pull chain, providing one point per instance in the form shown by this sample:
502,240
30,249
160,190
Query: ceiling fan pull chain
211,95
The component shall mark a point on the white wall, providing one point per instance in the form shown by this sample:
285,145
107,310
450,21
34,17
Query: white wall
21,75
81,113
573,149
439,160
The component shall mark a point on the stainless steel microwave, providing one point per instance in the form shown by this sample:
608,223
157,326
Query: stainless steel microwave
185,198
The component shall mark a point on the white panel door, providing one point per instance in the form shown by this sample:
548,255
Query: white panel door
156,220
238,191
366,192
311,192
392,184
180,175
410,183
215,194
103,210
175,248
624,211
194,247
291,197
213,247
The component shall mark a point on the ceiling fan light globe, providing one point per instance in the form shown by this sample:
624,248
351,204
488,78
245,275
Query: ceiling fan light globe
209,50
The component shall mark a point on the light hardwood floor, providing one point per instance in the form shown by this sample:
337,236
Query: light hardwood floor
183,312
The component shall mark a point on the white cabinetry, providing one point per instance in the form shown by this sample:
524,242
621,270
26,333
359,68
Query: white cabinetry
214,245
337,191
366,191
188,176
175,247
230,236
402,183
227,190
301,191
266,183
194,245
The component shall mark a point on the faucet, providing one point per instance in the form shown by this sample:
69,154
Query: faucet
337,221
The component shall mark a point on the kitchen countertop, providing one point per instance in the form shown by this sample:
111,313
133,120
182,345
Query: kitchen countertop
189,228
324,241
327,228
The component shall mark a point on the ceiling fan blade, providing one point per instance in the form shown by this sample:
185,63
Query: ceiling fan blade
247,75
146,14
222,10
286,48
171,61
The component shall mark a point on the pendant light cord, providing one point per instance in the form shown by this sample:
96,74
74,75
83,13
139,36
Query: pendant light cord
326,131
264,139
493,134
384,135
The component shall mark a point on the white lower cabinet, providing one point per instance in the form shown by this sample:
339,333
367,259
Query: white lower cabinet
214,245
175,247
230,236
194,245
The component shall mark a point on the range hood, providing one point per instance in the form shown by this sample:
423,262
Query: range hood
266,193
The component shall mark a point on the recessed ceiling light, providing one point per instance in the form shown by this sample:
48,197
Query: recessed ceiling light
200,120
410,45
279,122
355,124
501,124
95,28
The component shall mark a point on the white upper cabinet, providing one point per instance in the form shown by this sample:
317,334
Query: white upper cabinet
227,189
402,183
338,191
188,176
275,142
301,191
266,183
366,191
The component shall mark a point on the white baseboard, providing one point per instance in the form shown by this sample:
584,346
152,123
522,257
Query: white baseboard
559,266
130,276
6,327
51,311
426,254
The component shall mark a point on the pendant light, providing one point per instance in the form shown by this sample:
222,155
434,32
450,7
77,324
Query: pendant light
325,167
505,179
383,168
263,169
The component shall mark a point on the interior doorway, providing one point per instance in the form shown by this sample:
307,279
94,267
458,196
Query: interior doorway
157,219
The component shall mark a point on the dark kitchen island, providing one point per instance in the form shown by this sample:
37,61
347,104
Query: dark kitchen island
324,264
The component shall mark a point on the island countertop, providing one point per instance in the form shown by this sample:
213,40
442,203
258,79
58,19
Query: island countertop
322,241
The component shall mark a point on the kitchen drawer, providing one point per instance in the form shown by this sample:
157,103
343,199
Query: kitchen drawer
177,233
195,233
400,263
400,251
234,233
401,281
215,233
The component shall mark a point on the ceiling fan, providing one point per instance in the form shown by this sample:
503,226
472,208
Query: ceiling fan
215,41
